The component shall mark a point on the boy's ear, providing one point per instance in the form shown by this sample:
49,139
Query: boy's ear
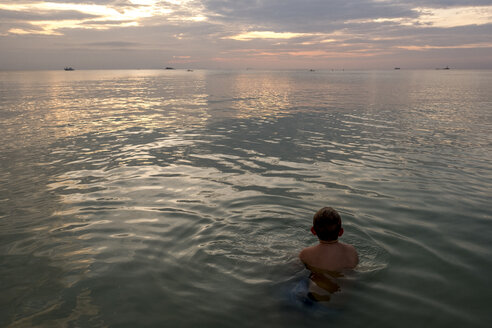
340,233
313,231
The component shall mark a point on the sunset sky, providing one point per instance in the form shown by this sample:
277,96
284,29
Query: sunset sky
318,34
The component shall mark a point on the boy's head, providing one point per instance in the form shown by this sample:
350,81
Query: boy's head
327,224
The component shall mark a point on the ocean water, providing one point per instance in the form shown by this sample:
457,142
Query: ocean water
181,199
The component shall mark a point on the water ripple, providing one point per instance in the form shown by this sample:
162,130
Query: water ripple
131,197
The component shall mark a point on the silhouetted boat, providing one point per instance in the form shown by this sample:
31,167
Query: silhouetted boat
397,68
69,69
169,68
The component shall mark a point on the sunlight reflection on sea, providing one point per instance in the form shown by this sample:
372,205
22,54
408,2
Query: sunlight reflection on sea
143,198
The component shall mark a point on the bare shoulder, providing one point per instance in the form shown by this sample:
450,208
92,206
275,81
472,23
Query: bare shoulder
305,254
350,248
352,253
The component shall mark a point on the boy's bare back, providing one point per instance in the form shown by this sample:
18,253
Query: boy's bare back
330,257
329,254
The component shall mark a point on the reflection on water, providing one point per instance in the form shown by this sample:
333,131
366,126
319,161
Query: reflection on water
137,198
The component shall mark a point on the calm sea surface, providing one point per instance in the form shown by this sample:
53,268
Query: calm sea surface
181,199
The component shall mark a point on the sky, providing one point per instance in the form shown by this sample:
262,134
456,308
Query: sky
240,34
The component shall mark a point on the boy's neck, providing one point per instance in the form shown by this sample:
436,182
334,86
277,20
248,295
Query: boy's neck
327,242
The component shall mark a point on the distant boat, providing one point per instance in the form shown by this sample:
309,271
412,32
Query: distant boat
69,69
190,70
311,70
397,68
447,67
169,68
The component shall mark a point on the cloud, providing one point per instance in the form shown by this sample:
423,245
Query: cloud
265,35
456,16
113,44
303,16
323,16
51,17
18,15
228,31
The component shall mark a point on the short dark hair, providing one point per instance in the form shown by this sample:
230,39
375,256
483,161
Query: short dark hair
327,224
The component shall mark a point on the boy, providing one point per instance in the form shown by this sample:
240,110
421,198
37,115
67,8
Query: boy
329,255
329,258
